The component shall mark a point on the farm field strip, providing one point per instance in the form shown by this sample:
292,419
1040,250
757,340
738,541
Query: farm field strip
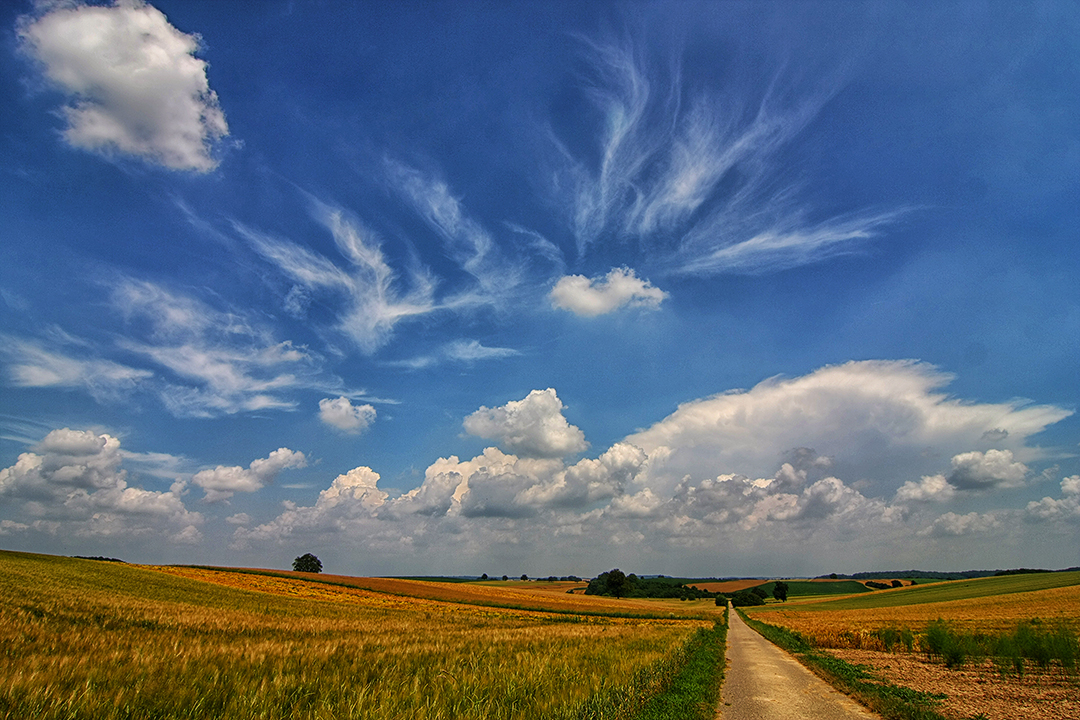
524,596
826,621
953,590
86,639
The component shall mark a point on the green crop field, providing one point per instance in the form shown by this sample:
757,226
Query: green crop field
90,639
953,590
803,588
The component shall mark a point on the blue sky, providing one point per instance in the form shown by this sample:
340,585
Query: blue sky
451,288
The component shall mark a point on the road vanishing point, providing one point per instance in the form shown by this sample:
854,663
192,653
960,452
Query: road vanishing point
762,682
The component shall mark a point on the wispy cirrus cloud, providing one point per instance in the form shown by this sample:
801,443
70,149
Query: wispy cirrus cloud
457,351
218,361
371,301
465,240
696,180
53,363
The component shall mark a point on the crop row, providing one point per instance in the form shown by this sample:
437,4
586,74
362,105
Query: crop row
1030,643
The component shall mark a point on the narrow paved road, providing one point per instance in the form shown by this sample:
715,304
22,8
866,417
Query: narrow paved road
763,682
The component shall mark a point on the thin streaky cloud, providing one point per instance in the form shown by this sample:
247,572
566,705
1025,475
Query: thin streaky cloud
466,241
698,184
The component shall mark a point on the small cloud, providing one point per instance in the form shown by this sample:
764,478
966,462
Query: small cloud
471,350
134,84
932,488
345,416
952,525
238,519
599,296
190,535
980,471
221,482
995,435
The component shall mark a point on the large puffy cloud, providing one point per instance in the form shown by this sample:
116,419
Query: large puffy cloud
340,508
74,479
533,426
598,296
620,504
223,481
971,471
343,415
880,420
134,81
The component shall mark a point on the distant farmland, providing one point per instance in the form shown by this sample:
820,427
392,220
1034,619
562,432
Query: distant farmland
990,603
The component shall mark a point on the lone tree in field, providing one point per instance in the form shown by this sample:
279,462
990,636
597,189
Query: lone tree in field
307,563
779,591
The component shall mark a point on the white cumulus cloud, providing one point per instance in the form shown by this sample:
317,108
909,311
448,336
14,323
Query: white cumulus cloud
223,481
533,426
134,83
994,468
877,419
343,415
74,479
351,499
599,296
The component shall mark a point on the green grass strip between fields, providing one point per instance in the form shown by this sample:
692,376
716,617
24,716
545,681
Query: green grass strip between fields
694,691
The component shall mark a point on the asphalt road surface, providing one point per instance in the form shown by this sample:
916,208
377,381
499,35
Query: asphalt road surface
763,682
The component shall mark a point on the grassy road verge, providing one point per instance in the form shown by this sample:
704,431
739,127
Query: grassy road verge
890,701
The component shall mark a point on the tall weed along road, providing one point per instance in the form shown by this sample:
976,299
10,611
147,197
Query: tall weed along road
763,682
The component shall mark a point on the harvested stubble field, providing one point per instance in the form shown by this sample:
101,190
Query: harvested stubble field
849,629
88,639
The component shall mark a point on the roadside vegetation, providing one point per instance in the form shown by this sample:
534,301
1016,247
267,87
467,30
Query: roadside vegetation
88,639
892,702
993,646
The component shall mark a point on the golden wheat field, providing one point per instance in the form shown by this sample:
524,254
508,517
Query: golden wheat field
88,639
514,595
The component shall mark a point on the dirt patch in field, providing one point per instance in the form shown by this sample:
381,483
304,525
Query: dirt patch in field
728,586
977,689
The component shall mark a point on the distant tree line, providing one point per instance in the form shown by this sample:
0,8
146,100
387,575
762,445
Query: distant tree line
549,578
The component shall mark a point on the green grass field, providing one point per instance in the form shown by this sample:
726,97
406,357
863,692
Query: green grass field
806,588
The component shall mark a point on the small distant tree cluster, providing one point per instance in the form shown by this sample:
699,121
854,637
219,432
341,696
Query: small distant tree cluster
749,598
618,584
307,563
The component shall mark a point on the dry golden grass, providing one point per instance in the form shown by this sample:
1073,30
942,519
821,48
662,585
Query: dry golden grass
522,595
85,639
